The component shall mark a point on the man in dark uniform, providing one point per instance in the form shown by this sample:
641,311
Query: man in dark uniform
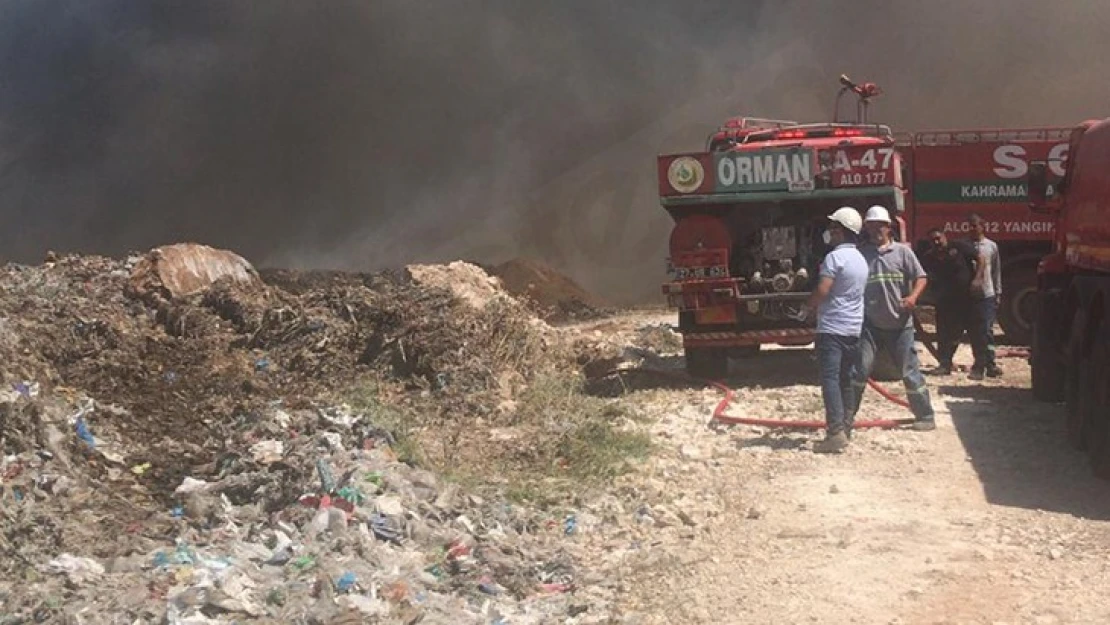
952,266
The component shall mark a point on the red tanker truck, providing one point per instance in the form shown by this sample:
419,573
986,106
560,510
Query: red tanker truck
749,209
952,173
1070,354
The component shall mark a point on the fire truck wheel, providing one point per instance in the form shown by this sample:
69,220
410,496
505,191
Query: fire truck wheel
1095,398
1074,363
1047,369
1018,310
707,363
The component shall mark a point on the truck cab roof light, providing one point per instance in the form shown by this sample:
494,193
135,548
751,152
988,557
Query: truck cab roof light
807,133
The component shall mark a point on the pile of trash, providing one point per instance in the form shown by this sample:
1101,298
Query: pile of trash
306,516
175,446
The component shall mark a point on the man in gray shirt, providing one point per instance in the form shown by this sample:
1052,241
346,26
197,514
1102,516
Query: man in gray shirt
986,292
895,282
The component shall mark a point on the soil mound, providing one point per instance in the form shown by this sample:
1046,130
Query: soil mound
555,296
467,281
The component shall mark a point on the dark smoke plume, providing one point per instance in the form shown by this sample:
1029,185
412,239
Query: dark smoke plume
368,134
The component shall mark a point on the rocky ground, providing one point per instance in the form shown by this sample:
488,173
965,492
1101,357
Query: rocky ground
989,519
423,448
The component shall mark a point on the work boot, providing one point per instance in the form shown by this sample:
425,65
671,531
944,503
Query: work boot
994,371
925,425
833,444
976,374
942,370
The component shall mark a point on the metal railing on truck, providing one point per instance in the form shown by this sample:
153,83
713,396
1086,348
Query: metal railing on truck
963,137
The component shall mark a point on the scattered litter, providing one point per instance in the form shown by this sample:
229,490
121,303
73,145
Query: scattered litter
367,606
79,571
267,452
384,529
327,479
350,494
83,432
27,389
333,441
304,563
389,505
570,525
191,485
489,587
346,582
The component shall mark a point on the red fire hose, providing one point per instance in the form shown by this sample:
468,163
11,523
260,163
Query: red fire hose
720,416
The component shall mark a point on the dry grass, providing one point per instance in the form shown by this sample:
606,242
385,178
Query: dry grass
563,440
367,398
507,408
582,437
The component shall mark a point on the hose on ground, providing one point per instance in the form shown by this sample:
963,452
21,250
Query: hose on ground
720,416
723,405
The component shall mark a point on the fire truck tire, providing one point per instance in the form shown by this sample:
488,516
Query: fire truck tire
1094,393
1018,310
1074,363
1099,398
1046,368
707,363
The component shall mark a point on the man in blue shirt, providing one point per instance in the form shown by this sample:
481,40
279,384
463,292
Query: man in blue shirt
838,300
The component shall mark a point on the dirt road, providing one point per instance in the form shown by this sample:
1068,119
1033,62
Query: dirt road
989,519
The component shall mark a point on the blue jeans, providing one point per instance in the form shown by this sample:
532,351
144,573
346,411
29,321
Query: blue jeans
986,309
899,343
836,356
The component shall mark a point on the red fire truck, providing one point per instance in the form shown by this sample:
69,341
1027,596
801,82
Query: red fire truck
749,210
1071,345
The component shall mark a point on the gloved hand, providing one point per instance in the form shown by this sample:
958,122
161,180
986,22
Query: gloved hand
801,315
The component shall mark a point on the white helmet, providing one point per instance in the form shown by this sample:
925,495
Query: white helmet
848,217
877,213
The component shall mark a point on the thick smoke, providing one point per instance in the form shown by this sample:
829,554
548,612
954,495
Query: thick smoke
368,134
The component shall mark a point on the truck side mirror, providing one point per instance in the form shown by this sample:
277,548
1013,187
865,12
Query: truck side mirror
1037,184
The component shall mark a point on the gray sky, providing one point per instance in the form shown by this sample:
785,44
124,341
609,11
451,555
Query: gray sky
362,135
